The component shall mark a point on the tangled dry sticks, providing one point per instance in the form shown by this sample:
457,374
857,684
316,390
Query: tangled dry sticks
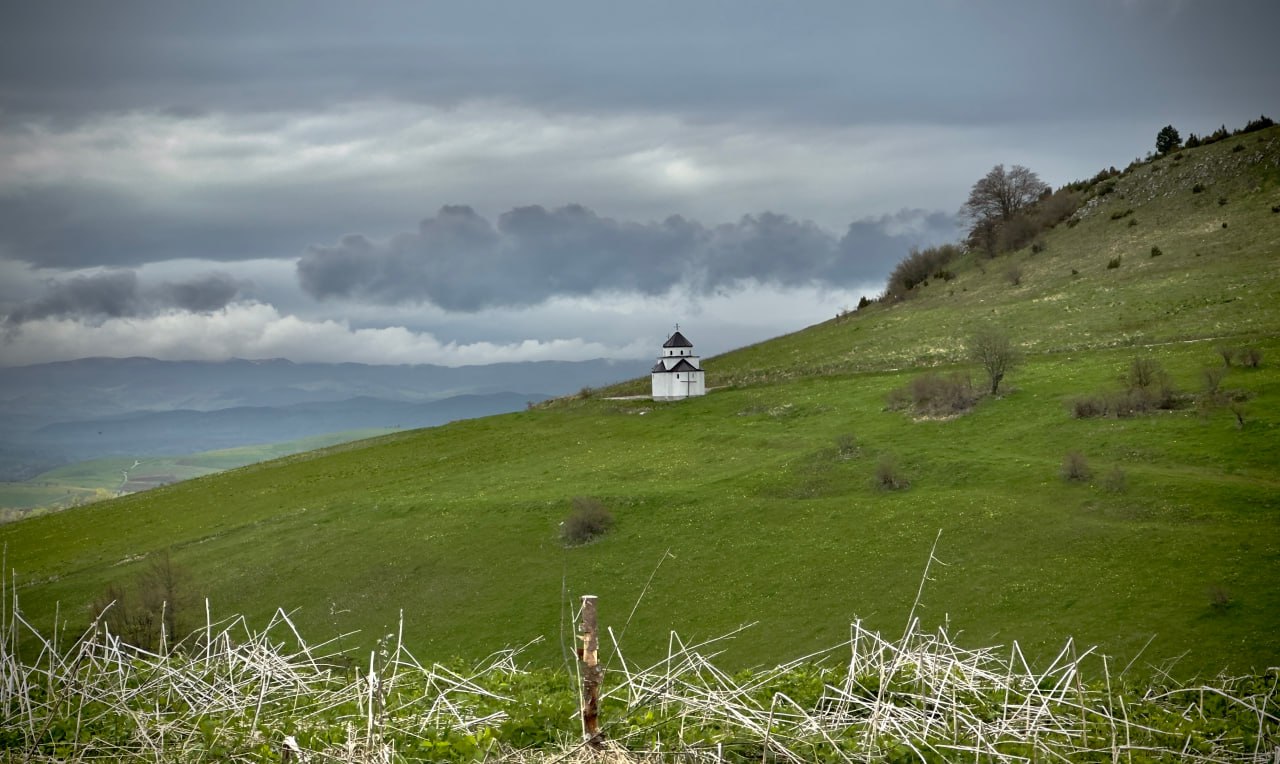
233,693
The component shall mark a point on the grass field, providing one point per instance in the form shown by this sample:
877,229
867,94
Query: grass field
757,504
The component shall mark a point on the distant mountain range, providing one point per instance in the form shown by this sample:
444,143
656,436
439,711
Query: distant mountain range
55,413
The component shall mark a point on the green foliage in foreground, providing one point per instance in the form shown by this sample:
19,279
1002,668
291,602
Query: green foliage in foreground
229,694
759,503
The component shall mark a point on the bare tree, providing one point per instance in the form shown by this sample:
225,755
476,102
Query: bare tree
1001,194
993,349
162,588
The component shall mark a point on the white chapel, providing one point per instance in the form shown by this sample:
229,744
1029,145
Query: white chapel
678,373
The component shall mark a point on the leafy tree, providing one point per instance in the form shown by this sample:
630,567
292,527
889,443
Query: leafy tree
1001,194
1167,139
993,349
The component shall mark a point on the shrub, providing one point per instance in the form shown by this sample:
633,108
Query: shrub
1017,232
1123,214
1038,247
888,476
995,352
1228,354
935,395
1089,406
1261,123
1073,222
1275,208
1150,385
1212,377
1237,147
1075,468
915,268
1251,357
846,446
1133,222
588,521
1106,188
1222,201
863,302
1220,599
1113,263
1014,275
1239,411
1197,188
1155,252
1115,481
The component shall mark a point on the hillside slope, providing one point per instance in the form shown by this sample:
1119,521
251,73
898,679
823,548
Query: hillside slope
756,503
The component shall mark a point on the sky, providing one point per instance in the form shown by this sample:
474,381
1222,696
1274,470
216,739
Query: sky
465,183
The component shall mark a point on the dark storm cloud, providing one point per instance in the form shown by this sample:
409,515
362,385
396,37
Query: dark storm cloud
825,61
205,294
60,225
117,294
460,262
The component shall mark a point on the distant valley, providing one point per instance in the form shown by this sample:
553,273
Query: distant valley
57,414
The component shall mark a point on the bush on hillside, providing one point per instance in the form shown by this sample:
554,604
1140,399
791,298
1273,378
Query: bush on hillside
1220,599
1156,252
151,614
916,268
1075,467
1250,357
933,394
992,348
1113,263
888,477
1115,481
588,521
1212,377
1150,386
1088,406
1261,123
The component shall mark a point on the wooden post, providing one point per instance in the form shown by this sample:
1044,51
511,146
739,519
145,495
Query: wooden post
592,675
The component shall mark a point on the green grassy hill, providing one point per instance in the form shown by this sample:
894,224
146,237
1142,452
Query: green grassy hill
756,503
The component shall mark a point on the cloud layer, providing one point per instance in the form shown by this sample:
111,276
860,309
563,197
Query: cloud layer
117,294
197,178
460,261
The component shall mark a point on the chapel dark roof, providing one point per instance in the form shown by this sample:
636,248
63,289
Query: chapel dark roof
677,340
681,365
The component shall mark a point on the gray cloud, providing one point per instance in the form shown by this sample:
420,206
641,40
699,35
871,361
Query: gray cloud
953,61
80,226
118,294
459,261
